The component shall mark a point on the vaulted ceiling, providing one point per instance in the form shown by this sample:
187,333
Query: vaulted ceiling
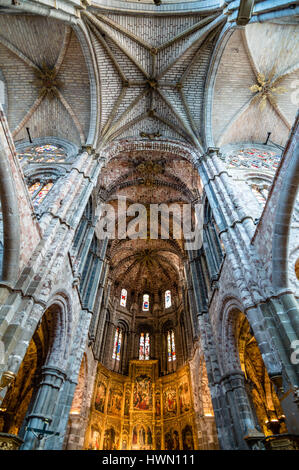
153,79
259,53
46,79
118,74
146,178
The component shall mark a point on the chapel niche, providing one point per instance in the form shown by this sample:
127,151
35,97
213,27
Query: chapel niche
260,389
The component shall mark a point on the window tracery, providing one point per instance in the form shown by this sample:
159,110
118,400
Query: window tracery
145,303
123,297
167,299
171,346
117,344
253,158
144,347
38,192
47,153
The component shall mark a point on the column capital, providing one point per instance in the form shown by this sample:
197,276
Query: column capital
212,150
52,375
233,379
88,148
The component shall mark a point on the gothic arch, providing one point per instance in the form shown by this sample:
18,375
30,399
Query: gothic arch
47,348
228,353
121,323
48,171
170,147
229,359
69,147
17,398
59,318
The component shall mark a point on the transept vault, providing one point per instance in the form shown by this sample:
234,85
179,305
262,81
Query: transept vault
127,128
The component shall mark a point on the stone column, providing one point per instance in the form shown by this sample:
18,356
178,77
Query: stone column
222,417
9,205
44,404
99,327
240,409
236,231
109,344
133,335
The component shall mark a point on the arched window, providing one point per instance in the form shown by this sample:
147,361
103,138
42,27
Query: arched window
123,297
253,158
171,346
117,344
144,347
38,191
147,347
47,153
167,299
145,303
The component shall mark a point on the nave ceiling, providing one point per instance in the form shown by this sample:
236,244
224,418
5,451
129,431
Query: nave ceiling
117,76
145,178
152,78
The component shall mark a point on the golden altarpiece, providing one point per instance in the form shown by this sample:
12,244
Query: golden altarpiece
142,411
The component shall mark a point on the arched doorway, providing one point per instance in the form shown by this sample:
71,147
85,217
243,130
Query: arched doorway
16,402
261,393
40,375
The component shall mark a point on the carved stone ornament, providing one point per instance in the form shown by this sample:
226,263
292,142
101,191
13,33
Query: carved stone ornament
9,441
7,379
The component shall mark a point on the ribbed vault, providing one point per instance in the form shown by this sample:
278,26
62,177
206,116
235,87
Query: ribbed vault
152,73
150,177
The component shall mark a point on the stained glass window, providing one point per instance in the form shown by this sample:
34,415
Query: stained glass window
34,188
43,154
253,158
123,297
117,344
171,346
145,304
41,194
167,299
147,347
141,347
144,347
